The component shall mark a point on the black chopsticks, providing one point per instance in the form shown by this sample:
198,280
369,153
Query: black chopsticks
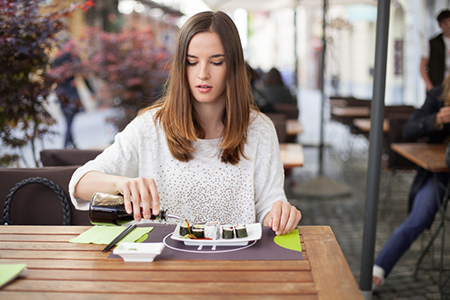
119,237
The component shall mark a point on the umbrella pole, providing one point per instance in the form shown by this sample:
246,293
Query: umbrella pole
376,141
322,86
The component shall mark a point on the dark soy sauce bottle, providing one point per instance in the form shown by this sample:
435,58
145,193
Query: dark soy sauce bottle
106,209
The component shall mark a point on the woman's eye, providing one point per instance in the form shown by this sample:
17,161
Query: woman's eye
217,63
191,63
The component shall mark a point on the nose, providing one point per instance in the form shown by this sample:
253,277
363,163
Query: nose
203,73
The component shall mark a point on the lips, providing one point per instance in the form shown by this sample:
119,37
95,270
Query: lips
203,88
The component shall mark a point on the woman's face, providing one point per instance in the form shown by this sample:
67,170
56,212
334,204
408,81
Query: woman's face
206,68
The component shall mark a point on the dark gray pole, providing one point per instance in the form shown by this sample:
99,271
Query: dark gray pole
295,52
376,143
322,86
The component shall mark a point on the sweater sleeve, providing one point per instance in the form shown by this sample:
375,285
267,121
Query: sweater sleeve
421,122
269,172
121,158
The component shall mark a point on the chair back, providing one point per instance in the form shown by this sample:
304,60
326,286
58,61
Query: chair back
40,201
279,120
349,101
290,110
397,118
67,157
399,111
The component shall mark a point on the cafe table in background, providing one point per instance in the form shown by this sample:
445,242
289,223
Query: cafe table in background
57,269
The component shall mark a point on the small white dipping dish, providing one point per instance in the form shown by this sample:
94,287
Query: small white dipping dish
143,252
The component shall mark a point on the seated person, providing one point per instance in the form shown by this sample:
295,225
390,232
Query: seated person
432,120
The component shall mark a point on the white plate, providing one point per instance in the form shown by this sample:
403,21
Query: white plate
254,232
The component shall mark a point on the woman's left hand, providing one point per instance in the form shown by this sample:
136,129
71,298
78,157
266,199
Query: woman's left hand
282,218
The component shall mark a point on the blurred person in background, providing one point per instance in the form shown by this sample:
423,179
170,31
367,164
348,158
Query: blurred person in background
274,89
435,63
431,121
67,92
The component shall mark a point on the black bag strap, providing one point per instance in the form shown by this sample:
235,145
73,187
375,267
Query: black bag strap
44,181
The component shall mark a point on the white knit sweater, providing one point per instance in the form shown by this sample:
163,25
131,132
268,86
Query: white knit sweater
203,189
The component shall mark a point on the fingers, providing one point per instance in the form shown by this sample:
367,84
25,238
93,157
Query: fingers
284,217
444,114
137,191
154,197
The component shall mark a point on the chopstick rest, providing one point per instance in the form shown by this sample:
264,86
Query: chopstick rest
119,237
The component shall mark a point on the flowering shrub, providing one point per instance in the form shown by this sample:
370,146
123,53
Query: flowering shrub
27,38
129,64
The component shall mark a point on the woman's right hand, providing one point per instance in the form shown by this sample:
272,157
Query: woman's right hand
140,190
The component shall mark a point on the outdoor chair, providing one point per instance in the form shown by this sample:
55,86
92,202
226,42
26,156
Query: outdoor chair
38,196
395,167
279,120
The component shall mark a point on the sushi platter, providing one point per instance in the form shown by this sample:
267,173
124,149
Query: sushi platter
254,233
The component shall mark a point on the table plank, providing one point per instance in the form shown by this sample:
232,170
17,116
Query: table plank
43,230
166,265
155,288
110,296
39,245
31,238
182,276
431,157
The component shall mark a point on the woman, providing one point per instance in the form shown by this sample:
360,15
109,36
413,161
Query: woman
202,151
432,120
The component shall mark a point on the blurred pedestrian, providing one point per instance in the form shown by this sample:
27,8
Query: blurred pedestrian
68,95
435,63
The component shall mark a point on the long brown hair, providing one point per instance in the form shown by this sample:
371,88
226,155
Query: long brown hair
177,114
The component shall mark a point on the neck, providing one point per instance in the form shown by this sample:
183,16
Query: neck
210,119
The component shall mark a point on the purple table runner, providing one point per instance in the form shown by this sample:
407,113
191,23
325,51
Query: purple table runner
263,249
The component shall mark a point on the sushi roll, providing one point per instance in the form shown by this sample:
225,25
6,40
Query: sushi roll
198,231
184,229
241,231
212,230
227,232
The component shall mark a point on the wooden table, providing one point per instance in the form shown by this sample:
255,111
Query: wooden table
363,124
294,127
431,157
57,269
351,111
291,155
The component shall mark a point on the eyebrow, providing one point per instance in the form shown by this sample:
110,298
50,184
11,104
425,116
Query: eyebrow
212,56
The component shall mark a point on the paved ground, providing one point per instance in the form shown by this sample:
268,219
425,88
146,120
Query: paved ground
345,216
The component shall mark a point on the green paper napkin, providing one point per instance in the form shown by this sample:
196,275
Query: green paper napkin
105,234
10,271
289,241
